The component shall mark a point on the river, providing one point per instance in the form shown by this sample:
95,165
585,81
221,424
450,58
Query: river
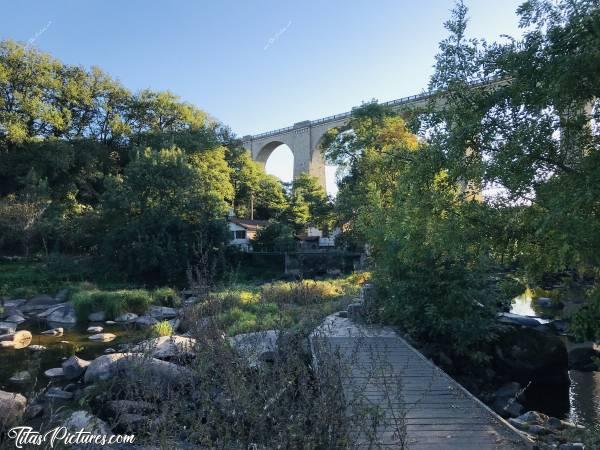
580,402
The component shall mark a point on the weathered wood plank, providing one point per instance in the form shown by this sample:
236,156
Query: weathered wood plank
395,396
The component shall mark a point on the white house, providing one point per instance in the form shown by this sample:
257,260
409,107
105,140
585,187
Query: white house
324,239
243,231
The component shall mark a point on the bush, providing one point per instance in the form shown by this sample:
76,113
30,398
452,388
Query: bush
166,297
585,323
113,303
306,292
160,329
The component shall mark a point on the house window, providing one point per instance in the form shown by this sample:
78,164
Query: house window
239,234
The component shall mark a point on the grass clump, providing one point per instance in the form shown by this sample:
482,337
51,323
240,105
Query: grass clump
160,329
305,292
166,296
113,303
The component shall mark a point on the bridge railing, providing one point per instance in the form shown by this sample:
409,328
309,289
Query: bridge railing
399,101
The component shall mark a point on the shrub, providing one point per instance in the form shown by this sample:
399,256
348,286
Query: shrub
160,329
306,292
166,296
113,303
585,323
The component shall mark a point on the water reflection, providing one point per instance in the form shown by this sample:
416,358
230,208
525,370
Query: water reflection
521,305
579,403
584,395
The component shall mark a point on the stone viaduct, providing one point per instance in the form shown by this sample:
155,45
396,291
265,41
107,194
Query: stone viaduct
304,138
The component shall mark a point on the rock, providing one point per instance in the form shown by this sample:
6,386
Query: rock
8,327
102,337
110,322
252,345
126,317
109,350
537,430
17,340
342,314
36,348
167,347
58,393
534,418
504,407
64,314
71,387
145,321
560,325
94,330
44,314
79,420
15,303
54,373
15,318
40,303
54,332
515,319
34,411
548,303
162,312
99,316
553,423
62,294
20,377
518,424
355,312
74,367
12,407
131,421
572,446
175,323
148,371
525,354
509,390
582,358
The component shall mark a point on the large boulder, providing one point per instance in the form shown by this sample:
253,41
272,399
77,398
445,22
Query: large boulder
256,347
74,367
136,367
518,320
126,317
145,321
162,312
64,314
12,406
527,355
167,347
583,358
40,303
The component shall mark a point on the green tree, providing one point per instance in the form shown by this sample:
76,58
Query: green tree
319,205
161,215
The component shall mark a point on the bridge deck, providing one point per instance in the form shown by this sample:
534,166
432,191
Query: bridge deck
396,398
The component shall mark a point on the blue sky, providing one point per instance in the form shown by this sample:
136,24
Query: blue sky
256,65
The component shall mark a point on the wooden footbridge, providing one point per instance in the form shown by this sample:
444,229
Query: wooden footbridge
396,398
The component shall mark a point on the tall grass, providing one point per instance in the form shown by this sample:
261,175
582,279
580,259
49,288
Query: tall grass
113,303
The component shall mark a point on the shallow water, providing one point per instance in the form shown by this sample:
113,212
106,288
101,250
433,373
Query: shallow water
74,341
579,402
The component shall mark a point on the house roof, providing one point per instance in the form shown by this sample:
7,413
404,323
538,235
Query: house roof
251,225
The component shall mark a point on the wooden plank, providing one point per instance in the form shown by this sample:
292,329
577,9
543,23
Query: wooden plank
382,374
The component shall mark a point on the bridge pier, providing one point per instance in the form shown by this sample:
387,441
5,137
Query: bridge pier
303,139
